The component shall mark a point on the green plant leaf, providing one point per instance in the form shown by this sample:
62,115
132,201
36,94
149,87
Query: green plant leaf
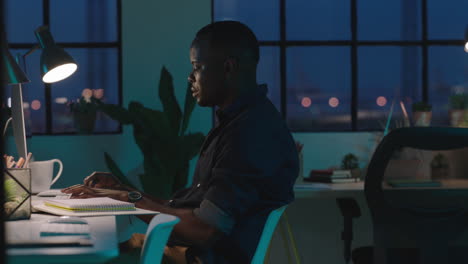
117,113
188,108
192,144
114,169
170,105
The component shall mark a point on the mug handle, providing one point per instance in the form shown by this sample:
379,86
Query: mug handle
59,172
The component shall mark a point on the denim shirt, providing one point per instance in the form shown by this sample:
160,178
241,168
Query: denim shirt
247,167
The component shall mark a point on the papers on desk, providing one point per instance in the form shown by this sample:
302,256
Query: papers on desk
47,242
55,229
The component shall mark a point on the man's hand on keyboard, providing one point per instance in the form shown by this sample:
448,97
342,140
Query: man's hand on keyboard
83,191
103,180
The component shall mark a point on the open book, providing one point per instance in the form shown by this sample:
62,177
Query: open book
90,204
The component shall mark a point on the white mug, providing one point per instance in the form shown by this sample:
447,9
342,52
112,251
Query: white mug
42,174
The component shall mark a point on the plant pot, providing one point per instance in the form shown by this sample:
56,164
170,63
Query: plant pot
84,122
422,119
439,173
458,118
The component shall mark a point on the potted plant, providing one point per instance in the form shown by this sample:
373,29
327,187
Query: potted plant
458,115
84,112
161,137
351,162
422,114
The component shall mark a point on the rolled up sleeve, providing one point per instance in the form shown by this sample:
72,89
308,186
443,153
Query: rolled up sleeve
211,214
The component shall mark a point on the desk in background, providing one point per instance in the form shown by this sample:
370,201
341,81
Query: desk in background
316,221
103,236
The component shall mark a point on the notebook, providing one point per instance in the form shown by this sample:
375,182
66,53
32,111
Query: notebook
89,207
98,204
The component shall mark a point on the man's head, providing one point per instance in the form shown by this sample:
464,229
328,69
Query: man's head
224,56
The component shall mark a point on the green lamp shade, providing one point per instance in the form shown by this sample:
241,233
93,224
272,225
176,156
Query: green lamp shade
11,72
466,39
56,63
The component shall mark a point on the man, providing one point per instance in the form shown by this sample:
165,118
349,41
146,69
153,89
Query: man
248,162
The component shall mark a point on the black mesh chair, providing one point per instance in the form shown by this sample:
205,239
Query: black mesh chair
417,225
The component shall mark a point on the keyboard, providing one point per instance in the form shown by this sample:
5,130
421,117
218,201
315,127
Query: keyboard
53,193
55,229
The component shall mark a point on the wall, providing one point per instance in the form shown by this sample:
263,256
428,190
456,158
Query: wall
154,33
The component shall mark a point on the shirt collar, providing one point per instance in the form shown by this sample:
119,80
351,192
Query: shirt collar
241,102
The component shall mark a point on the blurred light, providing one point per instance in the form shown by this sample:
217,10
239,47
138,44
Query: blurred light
36,104
306,102
466,47
87,93
9,102
381,101
25,105
333,102
98,93
61,100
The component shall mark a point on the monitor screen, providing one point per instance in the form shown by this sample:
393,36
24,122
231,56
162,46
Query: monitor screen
17,114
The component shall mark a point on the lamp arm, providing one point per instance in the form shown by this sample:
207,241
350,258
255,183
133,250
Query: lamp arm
29,52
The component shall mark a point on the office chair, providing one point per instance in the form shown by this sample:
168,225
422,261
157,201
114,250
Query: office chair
267,233
157,235
406,228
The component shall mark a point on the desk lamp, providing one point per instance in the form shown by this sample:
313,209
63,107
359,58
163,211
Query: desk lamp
466,39
55,64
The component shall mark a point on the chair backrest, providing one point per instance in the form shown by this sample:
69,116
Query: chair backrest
417,225
267,233
157,235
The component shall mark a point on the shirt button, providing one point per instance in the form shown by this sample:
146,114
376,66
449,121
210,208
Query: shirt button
198,185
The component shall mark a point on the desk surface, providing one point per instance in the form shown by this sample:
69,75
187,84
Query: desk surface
103,236
322,190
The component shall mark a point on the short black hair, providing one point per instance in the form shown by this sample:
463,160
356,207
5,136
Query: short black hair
231,37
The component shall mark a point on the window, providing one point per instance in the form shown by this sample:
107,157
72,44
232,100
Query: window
342,65
90,32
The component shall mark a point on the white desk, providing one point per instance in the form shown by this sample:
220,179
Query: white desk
103,236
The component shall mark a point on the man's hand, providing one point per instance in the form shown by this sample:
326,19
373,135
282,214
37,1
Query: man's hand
82,191
103,180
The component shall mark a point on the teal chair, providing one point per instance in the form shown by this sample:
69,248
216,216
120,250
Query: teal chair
268,229
157,235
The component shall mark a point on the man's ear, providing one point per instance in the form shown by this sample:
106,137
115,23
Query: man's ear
231,66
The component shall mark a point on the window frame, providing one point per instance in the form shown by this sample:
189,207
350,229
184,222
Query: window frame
424,43
86,45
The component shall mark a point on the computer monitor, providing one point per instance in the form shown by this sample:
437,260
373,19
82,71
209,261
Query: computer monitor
17,114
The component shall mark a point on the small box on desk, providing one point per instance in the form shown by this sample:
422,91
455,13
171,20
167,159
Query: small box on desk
17,185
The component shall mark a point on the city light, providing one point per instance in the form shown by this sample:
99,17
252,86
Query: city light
333,102
306,102
98,93
61,100
381,101
36,105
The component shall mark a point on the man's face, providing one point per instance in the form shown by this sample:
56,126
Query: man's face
207,76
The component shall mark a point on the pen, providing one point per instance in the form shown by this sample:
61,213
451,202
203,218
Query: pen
26,163
20,163
10,162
